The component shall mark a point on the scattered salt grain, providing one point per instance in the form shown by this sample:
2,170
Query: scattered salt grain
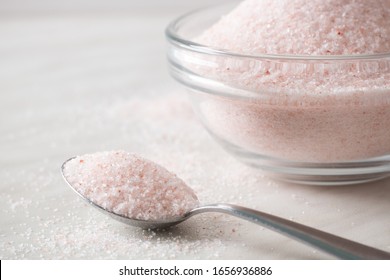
129,185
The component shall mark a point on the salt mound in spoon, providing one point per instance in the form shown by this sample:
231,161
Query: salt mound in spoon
130,185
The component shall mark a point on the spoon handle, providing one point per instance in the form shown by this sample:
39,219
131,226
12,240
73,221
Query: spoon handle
332,244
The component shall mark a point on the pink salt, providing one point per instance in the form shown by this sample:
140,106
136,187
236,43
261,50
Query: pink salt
317,27
129,185
314,112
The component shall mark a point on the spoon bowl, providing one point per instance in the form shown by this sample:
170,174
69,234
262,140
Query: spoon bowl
329,243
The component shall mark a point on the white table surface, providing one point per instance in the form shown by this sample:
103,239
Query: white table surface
80,82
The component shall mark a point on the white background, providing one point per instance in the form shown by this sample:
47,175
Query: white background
97,5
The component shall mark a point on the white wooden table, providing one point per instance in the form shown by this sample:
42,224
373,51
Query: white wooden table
80,82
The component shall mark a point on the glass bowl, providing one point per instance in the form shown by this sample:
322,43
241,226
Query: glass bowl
321,120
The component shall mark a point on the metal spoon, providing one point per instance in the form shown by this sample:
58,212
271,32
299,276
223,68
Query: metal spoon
337,246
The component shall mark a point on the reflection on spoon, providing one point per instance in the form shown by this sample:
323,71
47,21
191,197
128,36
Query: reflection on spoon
141,193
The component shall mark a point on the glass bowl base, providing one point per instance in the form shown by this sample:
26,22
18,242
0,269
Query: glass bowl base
313,173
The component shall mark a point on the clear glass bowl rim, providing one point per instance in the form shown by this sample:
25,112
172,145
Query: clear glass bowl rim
182,42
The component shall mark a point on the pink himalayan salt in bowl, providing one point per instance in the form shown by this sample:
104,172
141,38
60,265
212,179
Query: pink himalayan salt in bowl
300,89
130,186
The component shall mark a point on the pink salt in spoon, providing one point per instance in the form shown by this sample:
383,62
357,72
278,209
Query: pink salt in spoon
337,246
